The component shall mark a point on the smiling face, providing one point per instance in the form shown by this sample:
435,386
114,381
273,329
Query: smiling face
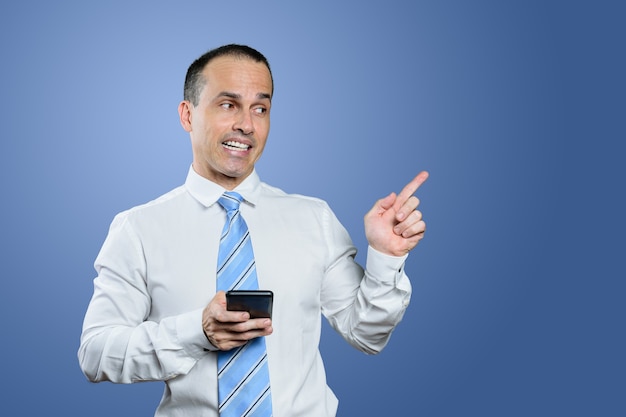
229,125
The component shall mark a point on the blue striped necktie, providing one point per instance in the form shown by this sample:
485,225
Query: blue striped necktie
243,377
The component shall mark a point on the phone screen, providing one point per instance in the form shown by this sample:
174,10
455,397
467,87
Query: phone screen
256,302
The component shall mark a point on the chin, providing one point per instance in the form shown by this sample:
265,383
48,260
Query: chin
237,173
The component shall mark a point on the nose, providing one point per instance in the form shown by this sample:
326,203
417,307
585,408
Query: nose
243,123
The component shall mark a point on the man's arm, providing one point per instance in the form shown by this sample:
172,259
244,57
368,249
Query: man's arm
118,342
365,307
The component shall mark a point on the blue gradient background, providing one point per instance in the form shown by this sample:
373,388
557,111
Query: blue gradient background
516,108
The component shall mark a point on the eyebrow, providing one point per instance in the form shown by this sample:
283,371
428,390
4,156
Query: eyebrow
236,96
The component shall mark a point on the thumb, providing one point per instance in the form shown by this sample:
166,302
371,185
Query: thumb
387,202
384,204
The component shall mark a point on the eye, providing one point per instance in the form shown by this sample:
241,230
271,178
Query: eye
227,105
260,110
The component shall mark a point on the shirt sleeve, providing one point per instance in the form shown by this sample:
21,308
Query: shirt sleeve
118,343
364,306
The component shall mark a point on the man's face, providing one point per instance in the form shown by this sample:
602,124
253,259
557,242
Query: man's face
230,124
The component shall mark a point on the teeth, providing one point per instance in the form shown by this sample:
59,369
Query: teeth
236,145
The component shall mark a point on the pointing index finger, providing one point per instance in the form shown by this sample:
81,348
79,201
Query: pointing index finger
410,189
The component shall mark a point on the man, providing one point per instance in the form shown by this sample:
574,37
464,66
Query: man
157,312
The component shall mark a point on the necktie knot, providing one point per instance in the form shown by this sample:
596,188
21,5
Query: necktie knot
230,201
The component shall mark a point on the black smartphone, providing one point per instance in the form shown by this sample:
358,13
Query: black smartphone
256,302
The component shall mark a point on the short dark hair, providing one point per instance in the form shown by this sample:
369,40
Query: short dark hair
194,80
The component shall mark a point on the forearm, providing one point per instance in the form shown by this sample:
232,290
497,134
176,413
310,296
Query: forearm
149,351
379,303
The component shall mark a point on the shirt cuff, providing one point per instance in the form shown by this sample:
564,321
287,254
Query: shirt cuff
379,265
190,333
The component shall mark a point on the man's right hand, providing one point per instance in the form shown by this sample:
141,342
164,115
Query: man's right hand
230,329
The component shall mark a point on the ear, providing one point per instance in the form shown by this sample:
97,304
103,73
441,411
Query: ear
184,113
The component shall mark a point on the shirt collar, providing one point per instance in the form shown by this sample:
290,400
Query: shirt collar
207,192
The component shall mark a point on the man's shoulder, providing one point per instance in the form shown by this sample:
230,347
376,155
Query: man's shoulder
275,194
163,203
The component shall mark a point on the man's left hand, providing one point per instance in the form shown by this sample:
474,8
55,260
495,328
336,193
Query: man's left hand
394,226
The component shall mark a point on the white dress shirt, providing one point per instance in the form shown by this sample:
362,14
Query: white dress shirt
156,273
